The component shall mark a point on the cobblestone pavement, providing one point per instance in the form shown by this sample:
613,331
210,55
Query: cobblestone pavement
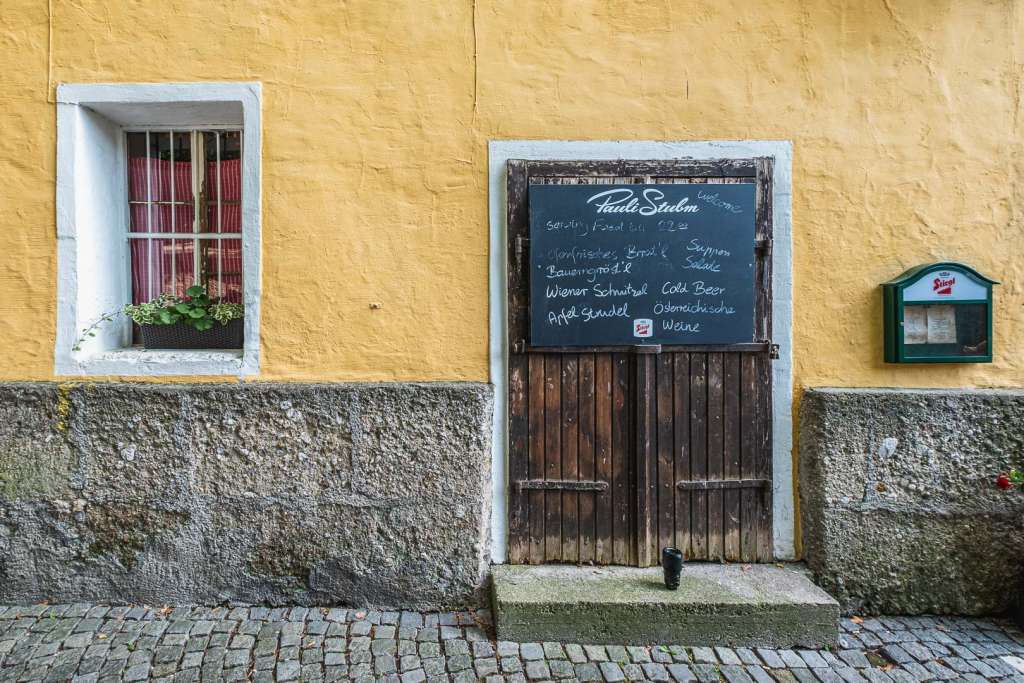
98,643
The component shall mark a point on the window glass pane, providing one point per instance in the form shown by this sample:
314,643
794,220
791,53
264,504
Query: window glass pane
140,270
163,253
160,217
184,215
160,166
138,214
184,266
221,264
224,180
137,167
934,330
183,172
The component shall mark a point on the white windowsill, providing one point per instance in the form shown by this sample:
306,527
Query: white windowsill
138,361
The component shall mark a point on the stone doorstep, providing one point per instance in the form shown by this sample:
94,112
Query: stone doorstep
728,605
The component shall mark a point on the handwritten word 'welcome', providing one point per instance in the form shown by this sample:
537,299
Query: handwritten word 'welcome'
623,200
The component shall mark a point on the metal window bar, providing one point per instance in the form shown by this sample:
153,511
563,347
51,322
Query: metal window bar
220,245
149,219
198,177
200,196
174,213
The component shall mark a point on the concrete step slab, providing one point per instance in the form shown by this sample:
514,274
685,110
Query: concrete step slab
760,605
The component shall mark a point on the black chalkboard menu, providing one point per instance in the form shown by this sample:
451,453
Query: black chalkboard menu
614,265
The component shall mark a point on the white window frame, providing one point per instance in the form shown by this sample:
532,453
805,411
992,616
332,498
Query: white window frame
93,269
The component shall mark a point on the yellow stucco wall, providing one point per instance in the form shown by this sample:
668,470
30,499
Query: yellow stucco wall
905,117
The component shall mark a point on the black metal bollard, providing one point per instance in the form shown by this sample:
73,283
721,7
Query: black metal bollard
672,563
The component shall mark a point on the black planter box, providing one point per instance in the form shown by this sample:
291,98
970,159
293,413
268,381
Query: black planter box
182,336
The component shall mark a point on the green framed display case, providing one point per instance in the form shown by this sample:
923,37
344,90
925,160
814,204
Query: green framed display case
938,313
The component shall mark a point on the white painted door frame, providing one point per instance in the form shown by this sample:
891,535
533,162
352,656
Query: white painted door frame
499,152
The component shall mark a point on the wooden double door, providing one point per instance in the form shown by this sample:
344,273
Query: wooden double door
616,452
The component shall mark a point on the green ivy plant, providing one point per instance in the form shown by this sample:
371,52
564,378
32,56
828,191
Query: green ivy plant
197,309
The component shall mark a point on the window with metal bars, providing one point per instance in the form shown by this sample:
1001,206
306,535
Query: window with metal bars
184,212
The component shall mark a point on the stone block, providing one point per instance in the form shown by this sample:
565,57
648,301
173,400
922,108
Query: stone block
900,513
715,605
263,493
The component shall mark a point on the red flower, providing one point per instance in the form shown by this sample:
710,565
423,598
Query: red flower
1003,482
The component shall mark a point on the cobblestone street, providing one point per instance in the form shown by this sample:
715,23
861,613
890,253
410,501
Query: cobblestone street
96,643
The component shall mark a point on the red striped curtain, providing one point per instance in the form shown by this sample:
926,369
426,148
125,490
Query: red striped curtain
150,211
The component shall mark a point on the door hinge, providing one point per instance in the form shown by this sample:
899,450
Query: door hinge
764,245
519,346
773,349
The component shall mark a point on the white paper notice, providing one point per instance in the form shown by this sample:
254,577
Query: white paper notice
915,325
941,325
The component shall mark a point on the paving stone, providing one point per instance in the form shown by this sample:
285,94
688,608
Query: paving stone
813,659
758,674
632,672
434,666
360,628
507,648
587,671
826,675
561,668
917,671
483,648
384,664
706,673
898,675
896,654
681,673
139,672
576,653
415,676
287,671
638,655
485,666
983,668
876,675
849,674
596,653
792,660
531,651
655,671
940,672
474,633
612,672
538,670
805,676
459,662
727,656
918,651
553,650
511,665
735,673
704,655
771,658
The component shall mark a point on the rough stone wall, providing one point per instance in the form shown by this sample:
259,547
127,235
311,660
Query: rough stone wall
898,500
277,493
